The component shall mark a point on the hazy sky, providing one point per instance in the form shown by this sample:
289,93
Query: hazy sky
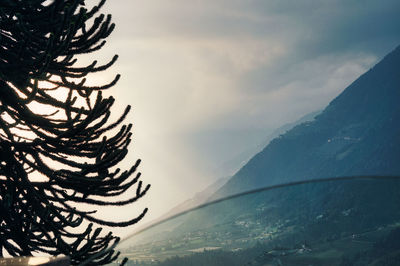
208,79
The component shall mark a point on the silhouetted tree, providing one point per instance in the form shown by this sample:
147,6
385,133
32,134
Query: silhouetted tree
57,146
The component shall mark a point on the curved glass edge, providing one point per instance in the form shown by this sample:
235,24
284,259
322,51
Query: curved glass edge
328,221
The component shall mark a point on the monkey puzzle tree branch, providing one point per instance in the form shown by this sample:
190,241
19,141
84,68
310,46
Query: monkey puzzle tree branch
73,149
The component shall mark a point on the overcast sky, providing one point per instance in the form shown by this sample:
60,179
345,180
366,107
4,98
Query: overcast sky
208,79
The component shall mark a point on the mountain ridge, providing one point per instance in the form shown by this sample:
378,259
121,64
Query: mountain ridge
356,134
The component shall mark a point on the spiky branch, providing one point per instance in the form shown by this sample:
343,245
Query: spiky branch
52,162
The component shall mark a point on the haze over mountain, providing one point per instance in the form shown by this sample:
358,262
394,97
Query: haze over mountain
358,133
346,222
234,163
238,161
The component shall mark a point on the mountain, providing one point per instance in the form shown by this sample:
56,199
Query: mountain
288,126
347,222
351,222
199,198
358,133
207,193
234,164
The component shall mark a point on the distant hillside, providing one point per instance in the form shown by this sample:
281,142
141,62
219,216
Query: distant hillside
238,161
358,133
345,221
197,199
204,195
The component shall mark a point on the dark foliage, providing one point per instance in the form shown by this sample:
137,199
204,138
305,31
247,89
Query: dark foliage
64,151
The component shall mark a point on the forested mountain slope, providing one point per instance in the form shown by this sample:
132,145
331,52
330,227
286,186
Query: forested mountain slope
358,133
